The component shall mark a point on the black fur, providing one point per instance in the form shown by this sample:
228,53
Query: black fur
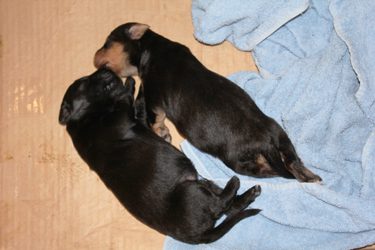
152,179
213,113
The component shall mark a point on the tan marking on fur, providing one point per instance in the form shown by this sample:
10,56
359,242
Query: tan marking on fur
159,126
115,59
260,159
160,115
264,166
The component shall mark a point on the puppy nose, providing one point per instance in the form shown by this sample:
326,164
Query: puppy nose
99,60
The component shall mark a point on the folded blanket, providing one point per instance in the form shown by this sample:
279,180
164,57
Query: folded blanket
317,79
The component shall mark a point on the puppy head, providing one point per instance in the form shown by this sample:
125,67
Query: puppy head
98,92
121,52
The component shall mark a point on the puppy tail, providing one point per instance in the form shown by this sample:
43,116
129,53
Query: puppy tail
217,232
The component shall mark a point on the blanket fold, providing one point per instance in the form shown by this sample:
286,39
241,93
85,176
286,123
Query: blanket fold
316,78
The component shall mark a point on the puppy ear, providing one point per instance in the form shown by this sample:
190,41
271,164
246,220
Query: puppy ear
65,113
74,111
137,30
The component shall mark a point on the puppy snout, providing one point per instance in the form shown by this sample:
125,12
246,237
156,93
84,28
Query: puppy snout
99,60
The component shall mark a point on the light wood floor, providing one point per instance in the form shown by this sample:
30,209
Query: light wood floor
48,197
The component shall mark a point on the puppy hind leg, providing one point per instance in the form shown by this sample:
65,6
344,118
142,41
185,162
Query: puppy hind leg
236,213
276,162
298,169
223,197
238,202
216,233
244,200
293,163
230,189
213,187
256,166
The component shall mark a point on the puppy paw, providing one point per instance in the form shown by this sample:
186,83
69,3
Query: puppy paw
234,182
255,191
167,138
244,200
163,132
251,194
308,176
303,174
314,179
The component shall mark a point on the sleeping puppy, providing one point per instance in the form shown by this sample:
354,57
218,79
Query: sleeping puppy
213,113
152,179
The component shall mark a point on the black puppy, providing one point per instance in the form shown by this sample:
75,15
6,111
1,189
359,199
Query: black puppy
152,179
213,113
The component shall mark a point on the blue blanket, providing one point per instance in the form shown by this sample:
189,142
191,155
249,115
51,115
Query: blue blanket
316,62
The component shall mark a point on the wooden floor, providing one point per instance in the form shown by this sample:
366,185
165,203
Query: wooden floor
48,197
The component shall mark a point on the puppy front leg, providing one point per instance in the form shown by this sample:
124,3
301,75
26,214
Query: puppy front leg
293,163
147,117
158,126
140,108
